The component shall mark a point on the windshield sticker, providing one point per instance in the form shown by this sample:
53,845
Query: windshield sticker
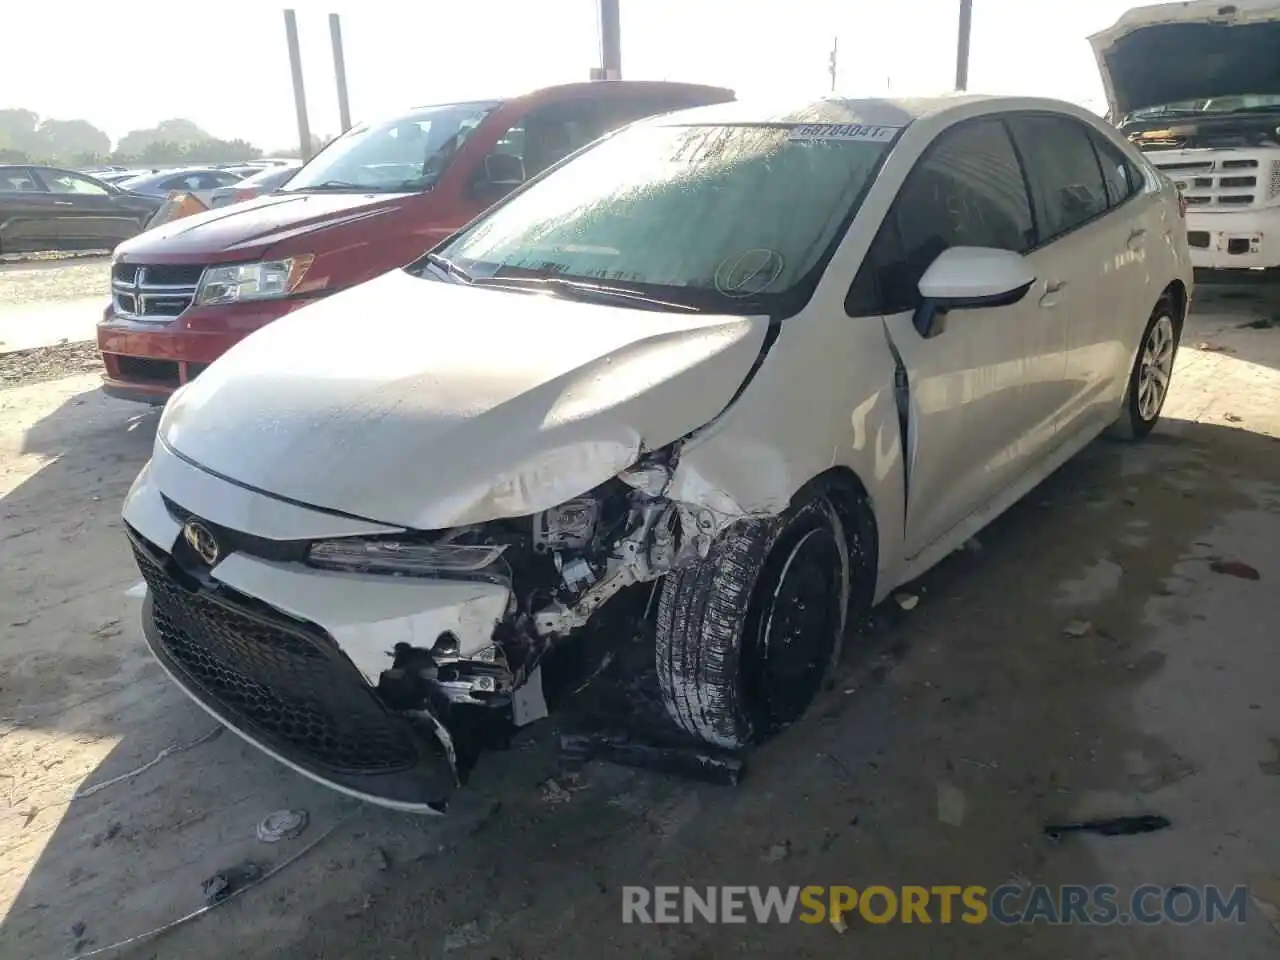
748,272
864,132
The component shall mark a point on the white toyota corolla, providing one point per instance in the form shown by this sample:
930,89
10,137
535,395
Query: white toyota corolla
781,362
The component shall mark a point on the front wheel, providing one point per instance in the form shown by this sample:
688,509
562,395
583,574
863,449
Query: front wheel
1151,374
747,634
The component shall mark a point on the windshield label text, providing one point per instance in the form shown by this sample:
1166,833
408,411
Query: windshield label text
867,133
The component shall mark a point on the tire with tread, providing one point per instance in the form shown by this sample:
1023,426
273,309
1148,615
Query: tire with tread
705,613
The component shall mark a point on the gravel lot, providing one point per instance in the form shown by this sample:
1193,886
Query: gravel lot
954,732
25,282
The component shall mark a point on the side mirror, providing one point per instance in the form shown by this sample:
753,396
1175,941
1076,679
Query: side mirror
500,174
972,277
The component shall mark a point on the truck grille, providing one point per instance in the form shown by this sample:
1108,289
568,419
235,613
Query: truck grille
1219,178
282,681
158,294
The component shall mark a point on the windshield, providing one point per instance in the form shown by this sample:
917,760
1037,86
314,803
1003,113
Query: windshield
398,156
723,216
1244,101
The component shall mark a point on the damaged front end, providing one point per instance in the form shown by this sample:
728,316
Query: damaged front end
401,727
560,566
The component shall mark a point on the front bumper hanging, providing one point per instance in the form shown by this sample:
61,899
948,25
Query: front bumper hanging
286,687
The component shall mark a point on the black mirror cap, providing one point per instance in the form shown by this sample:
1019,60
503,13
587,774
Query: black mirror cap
930,317
1006,299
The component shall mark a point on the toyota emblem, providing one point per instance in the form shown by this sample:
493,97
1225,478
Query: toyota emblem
202,541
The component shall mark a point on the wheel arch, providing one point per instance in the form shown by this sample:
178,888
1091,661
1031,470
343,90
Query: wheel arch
854,506
1177,292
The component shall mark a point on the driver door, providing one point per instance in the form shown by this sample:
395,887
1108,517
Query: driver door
973,421
86,216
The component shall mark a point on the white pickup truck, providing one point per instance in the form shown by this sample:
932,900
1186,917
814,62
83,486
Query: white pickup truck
1196,87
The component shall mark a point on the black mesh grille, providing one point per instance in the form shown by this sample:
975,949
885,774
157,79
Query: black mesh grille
295,691
175,274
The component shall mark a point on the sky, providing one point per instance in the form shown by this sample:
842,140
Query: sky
131,63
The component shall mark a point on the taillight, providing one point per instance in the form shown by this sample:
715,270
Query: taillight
1182,204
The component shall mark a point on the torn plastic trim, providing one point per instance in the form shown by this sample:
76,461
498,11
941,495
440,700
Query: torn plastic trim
902,401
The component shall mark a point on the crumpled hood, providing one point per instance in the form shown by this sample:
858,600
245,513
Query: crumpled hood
1171,52
253,227
431,405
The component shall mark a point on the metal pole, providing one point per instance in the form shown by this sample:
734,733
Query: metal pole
340,72
299,93
962,45
832,66
610,40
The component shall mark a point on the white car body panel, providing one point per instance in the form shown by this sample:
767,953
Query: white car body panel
496,404
524,403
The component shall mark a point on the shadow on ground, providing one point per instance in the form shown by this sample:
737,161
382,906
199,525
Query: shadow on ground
951,736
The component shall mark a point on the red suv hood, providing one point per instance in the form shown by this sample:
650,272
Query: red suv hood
249,229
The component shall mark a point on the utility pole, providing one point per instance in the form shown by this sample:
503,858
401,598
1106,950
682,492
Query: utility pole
340,72
962,45
832,62
610,42
299,93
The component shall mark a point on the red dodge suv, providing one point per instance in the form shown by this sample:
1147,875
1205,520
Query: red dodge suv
372,200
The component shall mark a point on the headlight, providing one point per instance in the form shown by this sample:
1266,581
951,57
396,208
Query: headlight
268,280
413,559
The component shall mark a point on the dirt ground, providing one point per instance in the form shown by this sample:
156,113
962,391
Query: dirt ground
954,733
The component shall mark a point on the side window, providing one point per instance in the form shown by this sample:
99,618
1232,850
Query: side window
62,182
967,190
223,179
1121,178
19,179
542,137
1066,179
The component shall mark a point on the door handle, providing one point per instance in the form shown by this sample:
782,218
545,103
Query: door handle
1051,290
1136,237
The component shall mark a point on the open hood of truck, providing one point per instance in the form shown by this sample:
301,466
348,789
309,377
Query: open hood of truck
249,229
430,405
1172,52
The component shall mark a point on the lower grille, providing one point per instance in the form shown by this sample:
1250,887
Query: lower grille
284,683
149,369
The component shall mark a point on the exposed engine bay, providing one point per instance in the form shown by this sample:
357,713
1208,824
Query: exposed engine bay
562,566
1211,131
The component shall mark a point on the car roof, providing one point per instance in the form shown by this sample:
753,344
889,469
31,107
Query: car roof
178,171
609,87
885,111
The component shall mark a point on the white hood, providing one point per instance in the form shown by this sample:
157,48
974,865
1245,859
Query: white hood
1171,52
431,405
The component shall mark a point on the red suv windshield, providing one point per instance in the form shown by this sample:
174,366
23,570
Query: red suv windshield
397,156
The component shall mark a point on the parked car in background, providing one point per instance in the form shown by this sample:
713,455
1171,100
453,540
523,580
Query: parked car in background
781,362
48,208
1195,87
116,176
187,180
372,200
266,180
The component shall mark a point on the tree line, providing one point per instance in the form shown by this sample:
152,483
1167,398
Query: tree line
27,138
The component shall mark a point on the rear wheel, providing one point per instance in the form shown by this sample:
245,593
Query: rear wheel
1151,375
747,635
